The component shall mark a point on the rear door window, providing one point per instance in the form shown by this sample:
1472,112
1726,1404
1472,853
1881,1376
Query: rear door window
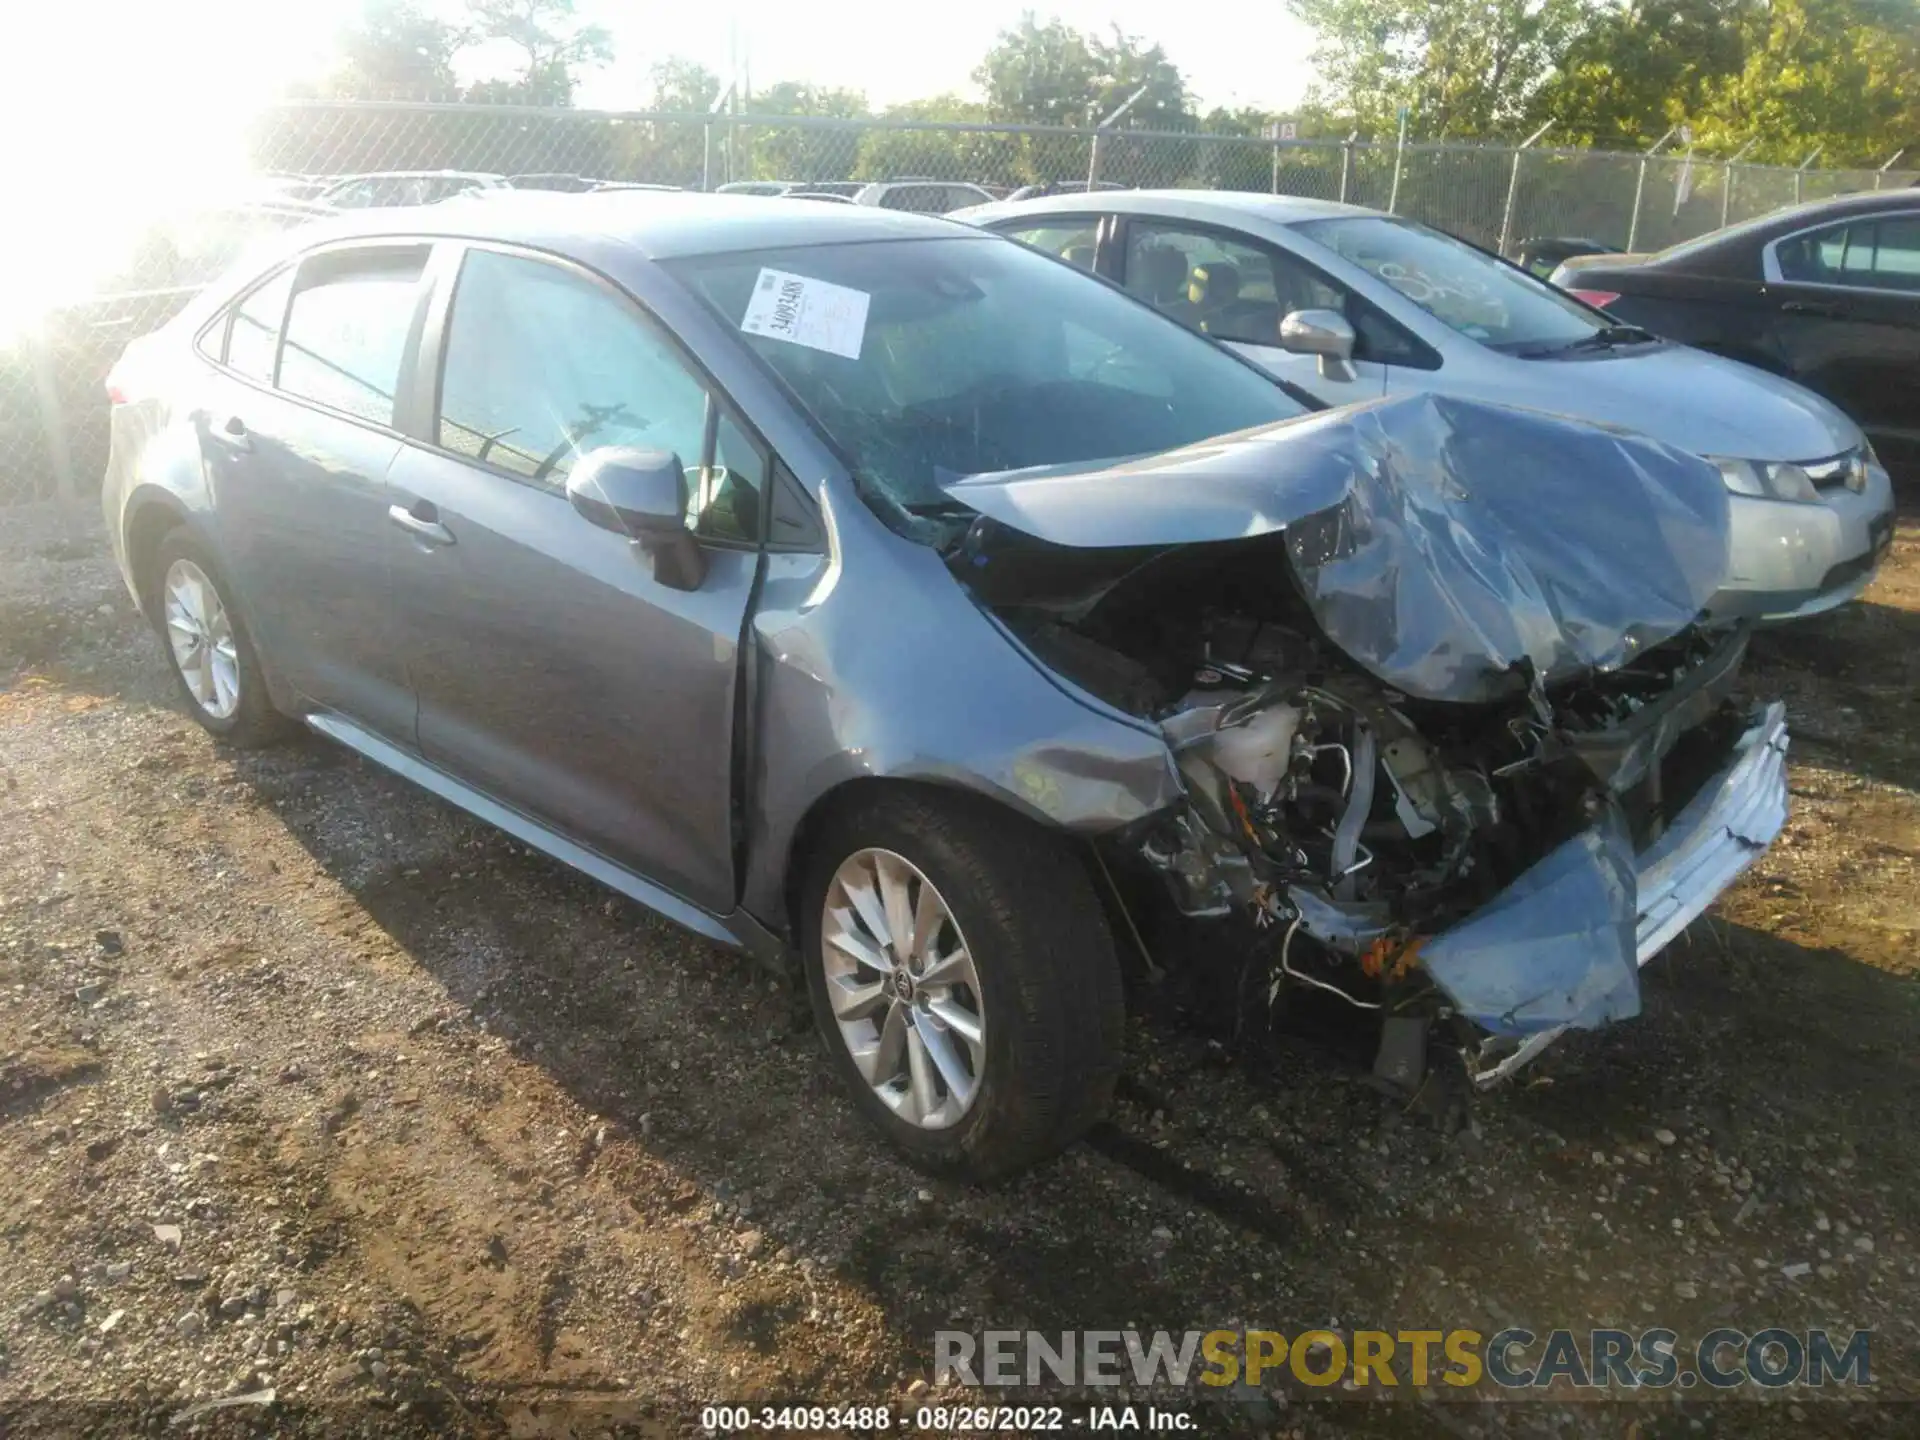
253,334
1879,254
347,330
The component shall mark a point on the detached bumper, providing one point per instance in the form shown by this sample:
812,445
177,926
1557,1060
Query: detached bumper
1562,947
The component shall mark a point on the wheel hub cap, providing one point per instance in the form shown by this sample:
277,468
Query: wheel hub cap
200,636
905,995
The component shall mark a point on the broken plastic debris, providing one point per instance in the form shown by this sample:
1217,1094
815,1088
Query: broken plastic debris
1557,947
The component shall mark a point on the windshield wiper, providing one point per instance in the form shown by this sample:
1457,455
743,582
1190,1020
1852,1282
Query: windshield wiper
1607,337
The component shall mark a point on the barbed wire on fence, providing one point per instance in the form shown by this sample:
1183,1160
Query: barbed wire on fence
53,430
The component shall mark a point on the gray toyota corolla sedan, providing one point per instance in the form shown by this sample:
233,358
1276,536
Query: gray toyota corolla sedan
864,590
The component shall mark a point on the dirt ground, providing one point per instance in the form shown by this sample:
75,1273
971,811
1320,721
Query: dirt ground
310,1083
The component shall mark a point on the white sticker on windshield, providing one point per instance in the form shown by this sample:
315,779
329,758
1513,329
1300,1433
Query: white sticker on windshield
803,311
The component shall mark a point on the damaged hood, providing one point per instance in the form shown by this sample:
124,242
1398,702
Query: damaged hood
1447,546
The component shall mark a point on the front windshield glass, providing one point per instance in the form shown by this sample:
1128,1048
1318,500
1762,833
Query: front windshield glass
927,360
1463,288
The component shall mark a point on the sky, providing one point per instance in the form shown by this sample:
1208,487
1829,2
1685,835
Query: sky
1247,52
191,54
116,108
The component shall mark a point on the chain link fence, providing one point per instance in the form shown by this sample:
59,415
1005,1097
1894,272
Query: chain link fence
53,434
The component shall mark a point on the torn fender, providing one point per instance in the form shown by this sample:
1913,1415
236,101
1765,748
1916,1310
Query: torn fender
1450,548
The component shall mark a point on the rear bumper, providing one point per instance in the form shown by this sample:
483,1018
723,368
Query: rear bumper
1570,935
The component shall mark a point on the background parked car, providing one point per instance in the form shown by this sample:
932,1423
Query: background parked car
554,180
927,197
404,187
757,187
1543,254
1060,187
1350,304
1828,294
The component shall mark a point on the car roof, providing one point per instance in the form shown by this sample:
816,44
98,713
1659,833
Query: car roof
336,180
1219,206
660,225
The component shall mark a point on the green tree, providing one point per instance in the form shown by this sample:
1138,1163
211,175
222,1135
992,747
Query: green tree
672,152
552,40
1052,74
1838,74
1640,68
1462,69
392,50
805,153
983,157
682,87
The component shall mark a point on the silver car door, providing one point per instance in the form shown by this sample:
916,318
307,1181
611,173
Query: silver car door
301,432
1238,290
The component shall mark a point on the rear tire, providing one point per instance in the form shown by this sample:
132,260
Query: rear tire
205,641
1018,1047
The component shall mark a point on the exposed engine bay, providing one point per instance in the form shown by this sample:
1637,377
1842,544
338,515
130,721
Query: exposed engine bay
1433,784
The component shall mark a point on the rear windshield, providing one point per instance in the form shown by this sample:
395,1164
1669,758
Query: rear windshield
927,360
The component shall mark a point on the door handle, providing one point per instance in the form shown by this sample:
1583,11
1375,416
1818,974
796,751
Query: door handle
1814,307
231,431
422,521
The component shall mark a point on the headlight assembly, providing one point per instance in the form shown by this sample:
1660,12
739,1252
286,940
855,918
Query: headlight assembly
1767,480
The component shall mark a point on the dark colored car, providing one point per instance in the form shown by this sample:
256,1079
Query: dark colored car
1827,294
1544,254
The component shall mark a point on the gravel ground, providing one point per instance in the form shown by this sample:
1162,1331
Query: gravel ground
311,1084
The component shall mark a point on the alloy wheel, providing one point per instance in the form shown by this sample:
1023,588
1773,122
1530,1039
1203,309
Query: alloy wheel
903,988
200,636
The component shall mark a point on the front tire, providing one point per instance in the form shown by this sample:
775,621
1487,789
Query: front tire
963,978
206,644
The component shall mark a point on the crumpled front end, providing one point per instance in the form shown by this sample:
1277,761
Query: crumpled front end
1453,744
1561,947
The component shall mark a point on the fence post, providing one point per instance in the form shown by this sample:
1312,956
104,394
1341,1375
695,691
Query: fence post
706,133
46,389
1640,184
1273,134
1800,170
1093,158
1880,174
1399,154
1513,186
1346,163
1726,183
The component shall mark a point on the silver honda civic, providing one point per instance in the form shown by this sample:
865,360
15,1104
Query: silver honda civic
897,604
1351,304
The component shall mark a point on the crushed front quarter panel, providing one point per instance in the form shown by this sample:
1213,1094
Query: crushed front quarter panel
887,669
1455,550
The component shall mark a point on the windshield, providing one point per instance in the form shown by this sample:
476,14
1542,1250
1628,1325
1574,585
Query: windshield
927,360
1461,287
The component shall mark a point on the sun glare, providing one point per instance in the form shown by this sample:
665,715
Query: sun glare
134,113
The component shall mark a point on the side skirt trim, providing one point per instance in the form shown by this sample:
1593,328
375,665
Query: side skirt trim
739,931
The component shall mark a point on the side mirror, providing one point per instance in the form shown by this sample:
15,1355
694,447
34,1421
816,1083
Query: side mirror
642,494
1326,333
